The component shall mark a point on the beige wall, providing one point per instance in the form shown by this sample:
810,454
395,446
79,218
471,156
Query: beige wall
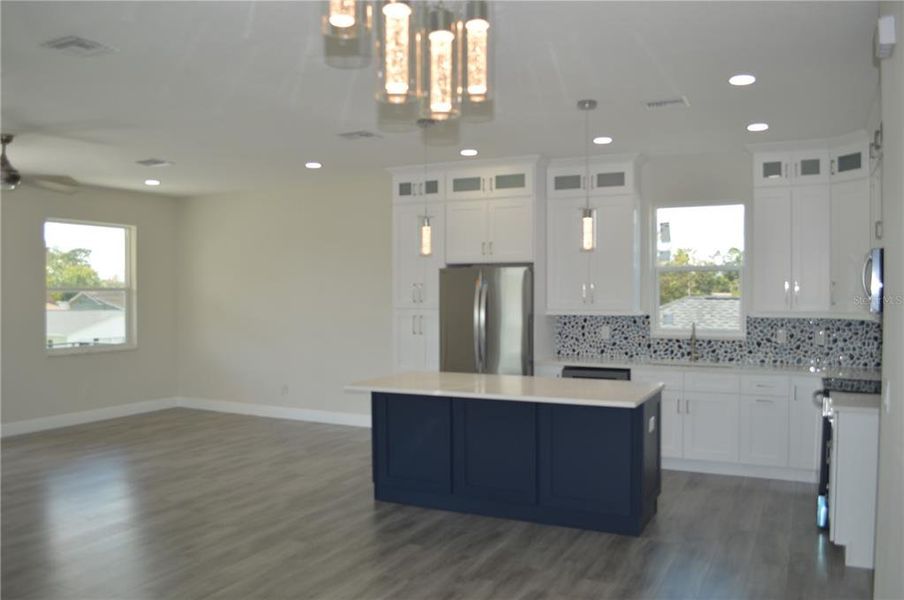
35,385
285,296
889,576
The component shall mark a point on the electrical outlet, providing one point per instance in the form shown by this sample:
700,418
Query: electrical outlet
819,338
781,336
605,332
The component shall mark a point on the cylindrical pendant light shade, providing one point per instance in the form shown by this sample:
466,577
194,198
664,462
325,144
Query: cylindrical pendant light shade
476,51
426,237
342,13
588,229
441,92
397,25
347,46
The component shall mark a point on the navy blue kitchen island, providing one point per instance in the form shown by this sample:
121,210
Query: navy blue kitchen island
575,453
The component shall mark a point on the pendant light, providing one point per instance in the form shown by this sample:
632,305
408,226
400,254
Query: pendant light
476,51
425,245
588,215
342,14
441,93
9,176
396,42
346,27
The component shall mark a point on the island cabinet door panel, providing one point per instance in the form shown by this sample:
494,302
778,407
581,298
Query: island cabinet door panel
585,458
413,442
495,456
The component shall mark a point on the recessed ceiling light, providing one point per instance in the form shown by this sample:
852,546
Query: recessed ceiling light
757,127
742,79
152,182
468,152
602,140
312,165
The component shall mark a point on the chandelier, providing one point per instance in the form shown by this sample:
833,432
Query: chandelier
431,62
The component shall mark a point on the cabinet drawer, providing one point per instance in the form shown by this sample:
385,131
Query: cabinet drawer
673,380
711,382
765,385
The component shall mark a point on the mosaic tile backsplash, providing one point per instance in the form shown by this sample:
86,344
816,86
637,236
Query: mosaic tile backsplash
848,343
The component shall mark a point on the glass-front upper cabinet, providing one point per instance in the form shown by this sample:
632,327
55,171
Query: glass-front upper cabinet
850,161
772,168
810,167
417,187
490,182
605,178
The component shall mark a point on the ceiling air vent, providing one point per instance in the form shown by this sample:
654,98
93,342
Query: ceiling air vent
680,102
358,135
78,46
154,162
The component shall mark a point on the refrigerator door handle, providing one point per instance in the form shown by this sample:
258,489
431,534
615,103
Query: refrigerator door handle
476,322
484,291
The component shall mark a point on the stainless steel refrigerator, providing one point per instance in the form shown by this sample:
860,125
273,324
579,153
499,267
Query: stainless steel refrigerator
486,319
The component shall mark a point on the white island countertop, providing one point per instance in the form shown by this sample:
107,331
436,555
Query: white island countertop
587,392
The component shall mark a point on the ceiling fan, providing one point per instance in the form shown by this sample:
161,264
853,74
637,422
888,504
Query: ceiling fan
10,178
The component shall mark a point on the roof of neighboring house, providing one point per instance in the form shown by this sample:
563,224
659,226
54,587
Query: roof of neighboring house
716,312
97,300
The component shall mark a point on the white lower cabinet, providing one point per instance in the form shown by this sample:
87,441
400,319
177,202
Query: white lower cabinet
416,340
751,420
805,424
710,426
764,430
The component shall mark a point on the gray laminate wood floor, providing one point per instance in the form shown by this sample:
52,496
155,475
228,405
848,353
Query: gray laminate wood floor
192,504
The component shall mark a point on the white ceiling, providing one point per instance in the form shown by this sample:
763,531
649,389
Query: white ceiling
237,94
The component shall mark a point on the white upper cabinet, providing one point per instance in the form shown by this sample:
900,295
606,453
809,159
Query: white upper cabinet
568,268
614,265
416,277
414,186
490,182
569,179
791,250
850,161
603,280
490,231
810,216
803,167
772,250
850,241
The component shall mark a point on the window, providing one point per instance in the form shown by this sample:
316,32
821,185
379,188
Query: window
90,286
699,263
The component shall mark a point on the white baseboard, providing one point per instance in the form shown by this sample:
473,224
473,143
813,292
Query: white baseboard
740,470
146,406
276,412
86,416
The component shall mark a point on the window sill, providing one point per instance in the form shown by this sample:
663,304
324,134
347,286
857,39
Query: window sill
89,350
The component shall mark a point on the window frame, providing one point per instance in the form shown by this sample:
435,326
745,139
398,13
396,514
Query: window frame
130,289
655,269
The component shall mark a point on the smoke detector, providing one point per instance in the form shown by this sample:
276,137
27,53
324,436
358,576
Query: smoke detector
679,102
74,45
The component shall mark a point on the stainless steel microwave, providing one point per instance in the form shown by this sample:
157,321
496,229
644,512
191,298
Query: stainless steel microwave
872,279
